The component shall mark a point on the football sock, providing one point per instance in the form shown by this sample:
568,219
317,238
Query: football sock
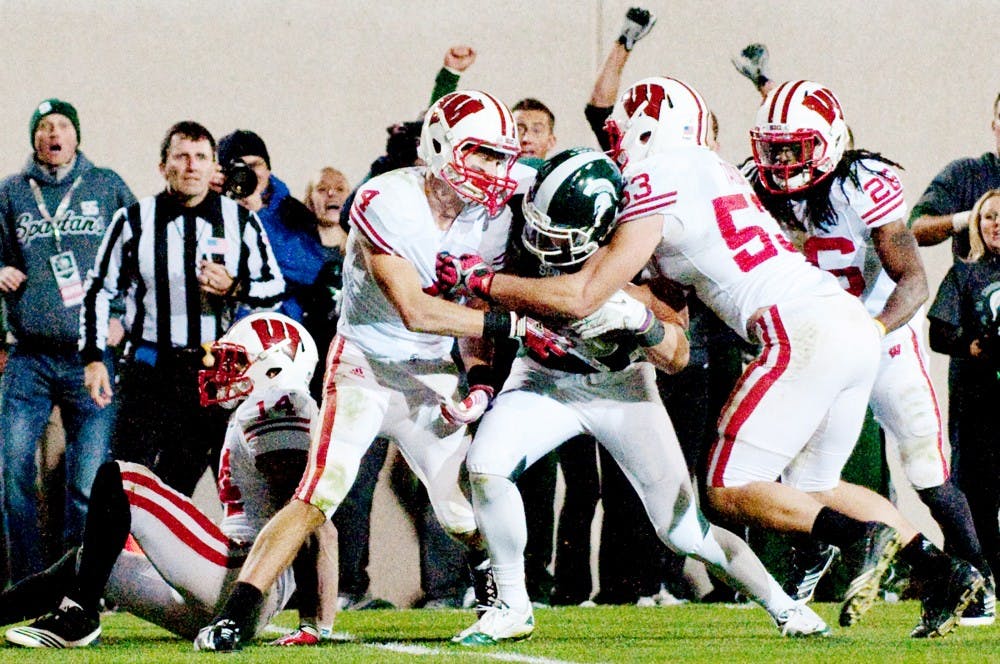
501,520
307,578
731,559
837,528
926,560
108,522
950,508
243,606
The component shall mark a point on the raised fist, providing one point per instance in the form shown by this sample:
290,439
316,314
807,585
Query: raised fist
459,58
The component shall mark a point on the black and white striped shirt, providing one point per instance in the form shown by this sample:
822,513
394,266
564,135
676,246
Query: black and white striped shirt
150,254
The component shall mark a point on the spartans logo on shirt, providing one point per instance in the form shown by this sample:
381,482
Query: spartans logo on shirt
31,228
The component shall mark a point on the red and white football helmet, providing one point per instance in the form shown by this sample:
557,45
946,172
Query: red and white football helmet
260,351
653,115
458,124
799,136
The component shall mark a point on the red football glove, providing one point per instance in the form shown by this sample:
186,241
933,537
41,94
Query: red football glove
467,274
532,334
469,409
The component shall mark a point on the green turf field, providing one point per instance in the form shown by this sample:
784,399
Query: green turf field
686,633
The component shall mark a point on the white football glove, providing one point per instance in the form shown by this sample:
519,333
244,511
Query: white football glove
469,409
620,312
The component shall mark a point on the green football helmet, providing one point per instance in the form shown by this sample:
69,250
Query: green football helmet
570,210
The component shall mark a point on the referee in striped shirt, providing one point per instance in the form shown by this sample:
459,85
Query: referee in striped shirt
183,260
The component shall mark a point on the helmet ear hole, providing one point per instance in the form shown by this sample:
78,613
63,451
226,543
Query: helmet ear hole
436,144
645,136
273,371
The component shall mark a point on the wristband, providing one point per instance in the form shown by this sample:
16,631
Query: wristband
882,330
497,324
652,336
481,374
960,221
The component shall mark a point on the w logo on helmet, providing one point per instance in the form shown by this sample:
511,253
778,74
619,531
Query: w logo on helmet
271,331
824,103
457,106
652,96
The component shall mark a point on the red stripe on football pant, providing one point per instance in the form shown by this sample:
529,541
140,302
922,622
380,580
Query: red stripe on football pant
182,503
770,324
915,341
189,538
328,410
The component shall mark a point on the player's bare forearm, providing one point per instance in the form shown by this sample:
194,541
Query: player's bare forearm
672,353
897,249
279,541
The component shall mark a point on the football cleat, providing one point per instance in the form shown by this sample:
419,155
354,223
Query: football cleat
221,636
305,635
982,610
801,621
484,586
69,626
809,562
945,598
498,623
869,558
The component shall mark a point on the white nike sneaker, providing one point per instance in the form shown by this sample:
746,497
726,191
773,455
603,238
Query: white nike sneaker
800,621
498,623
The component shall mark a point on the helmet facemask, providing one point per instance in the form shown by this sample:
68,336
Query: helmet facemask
226,382
790,161
554,245
476,186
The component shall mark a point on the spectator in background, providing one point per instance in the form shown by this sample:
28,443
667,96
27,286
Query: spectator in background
290,226
965,323
325,197
536,126
183,260
945,207
53,215
943,211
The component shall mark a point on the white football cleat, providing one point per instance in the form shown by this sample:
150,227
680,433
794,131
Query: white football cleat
498,623
801,621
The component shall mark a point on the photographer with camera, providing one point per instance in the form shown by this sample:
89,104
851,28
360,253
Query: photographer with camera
289,224
965,323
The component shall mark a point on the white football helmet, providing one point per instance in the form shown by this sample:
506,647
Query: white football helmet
458,124
799,136
653,115
259,351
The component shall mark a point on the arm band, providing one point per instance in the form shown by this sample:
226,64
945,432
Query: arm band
654,335
496,324
481,374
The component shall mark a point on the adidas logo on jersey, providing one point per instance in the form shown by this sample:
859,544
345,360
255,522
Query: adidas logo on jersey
358,371
895,350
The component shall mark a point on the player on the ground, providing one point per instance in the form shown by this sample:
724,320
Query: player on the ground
605,387
798,408
262,368
390,370
846,210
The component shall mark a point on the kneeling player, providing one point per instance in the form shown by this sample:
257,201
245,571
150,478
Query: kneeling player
262,368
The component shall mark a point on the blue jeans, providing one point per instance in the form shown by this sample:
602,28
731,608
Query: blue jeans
32,384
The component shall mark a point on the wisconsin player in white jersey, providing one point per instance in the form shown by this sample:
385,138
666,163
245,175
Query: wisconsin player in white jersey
847,212
262,368
798,408
605,387
389,370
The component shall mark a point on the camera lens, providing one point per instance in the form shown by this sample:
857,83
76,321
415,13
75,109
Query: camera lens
240,179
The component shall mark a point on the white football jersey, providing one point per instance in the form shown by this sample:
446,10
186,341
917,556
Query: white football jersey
844,248
266,421
392,213
717,237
